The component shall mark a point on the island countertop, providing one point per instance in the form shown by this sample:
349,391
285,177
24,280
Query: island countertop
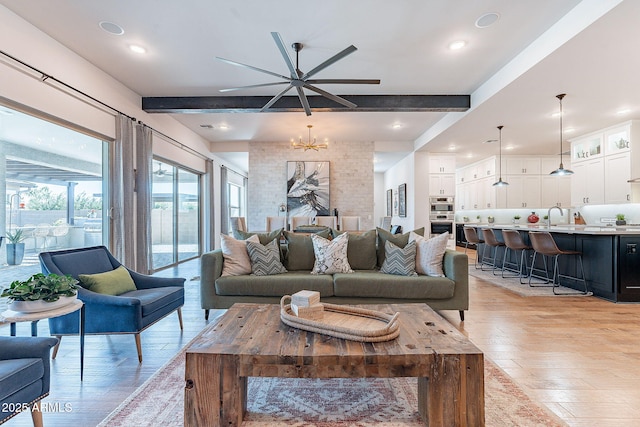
624,230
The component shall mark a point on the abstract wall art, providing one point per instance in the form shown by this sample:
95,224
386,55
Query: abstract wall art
308,188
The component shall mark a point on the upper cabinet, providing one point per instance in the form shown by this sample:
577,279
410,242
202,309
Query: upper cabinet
522,165
442,164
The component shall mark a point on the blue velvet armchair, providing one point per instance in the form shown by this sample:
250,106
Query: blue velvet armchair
24,375
128,313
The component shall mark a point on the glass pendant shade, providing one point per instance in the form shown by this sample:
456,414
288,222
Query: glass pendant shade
561,171
500,182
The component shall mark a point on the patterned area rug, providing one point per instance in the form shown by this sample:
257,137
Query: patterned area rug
514,285
324,403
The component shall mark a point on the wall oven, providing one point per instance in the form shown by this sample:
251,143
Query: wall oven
440,227
441,205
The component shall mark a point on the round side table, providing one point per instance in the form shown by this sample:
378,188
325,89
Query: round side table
14,317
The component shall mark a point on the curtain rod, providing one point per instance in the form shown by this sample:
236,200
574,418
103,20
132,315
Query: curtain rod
44,77
236,172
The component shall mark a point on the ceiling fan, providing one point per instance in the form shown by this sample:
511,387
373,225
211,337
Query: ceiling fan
161,172
299,79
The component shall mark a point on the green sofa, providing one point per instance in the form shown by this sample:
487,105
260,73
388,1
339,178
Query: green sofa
366,285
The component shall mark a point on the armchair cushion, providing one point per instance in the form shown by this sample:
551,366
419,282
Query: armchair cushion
16,374
114,282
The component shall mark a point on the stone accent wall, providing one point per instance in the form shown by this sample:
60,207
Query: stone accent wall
351,179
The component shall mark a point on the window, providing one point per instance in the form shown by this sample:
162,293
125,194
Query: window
236,205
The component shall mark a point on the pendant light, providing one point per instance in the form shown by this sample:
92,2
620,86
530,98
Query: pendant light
561,171
500,182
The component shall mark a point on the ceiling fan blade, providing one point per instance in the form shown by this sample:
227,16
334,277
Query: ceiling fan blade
276,98
285,54
344,81
331,96
304,100
338,56
239,64
252,86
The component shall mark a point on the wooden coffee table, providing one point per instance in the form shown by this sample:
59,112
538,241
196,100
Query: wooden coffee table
249,340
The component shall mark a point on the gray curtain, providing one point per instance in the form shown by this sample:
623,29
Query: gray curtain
121,182
209,214
144,157
224,201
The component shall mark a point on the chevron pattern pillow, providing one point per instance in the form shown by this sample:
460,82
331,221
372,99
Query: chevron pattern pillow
331,255
399,261
265,259
429,253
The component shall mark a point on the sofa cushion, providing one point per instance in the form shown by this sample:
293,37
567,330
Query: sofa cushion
114,282
265,259
282,284
331,255
235,254
16,374
399,261
299,255
263,237
373,284
361,251
400,240
429,253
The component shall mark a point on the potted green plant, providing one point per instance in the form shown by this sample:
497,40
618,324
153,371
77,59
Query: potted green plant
15,246
620,219
41,293
516,219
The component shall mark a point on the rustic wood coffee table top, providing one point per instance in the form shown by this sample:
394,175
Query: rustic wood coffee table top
250,340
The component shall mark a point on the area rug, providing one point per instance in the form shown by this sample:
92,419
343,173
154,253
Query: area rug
523,289
324,402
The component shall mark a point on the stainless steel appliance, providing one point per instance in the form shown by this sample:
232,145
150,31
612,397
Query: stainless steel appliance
441,204
440,227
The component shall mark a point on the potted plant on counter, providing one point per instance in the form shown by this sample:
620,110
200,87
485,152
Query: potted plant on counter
516,219
41,293
620,219
15,247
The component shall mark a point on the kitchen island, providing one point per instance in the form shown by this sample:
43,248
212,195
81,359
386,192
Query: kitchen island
611,256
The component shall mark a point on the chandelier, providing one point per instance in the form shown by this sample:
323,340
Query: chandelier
309,145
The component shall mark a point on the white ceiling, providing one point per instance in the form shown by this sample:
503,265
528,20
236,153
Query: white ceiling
403,43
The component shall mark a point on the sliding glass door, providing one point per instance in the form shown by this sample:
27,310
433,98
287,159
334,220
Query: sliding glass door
175,214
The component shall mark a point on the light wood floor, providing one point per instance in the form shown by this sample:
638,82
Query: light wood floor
578,356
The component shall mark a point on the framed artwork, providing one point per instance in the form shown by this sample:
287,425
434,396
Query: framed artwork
389,202
395,204
308,188
402,200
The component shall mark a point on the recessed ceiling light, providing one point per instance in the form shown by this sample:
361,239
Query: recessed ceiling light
556,114
223,127
458,44
487,19
509,147
396,125
569,130
137,49
452,147
111,28
623,111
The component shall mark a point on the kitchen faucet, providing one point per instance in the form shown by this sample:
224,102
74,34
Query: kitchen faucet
549,214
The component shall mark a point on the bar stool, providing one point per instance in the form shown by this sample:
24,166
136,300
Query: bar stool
514,242
490,241
471,236
544,244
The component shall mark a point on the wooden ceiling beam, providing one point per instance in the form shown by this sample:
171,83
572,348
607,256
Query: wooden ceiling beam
253,104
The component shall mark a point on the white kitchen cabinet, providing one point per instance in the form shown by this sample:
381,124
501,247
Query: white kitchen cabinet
488,167
442,164
526,165
556,190
442,185
587,182
617,171
523,191
487,193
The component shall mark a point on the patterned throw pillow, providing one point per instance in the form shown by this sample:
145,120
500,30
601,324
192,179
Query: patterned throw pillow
399,261
331,255
429,253
265,259
236,257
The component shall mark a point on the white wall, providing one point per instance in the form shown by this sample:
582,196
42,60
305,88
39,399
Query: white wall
379,198
403,173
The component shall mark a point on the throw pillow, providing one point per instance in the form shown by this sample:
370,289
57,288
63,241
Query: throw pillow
331,255
399,240
263,237
114,282
236,257
399,261
299,254
429,253
361,251
265,259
